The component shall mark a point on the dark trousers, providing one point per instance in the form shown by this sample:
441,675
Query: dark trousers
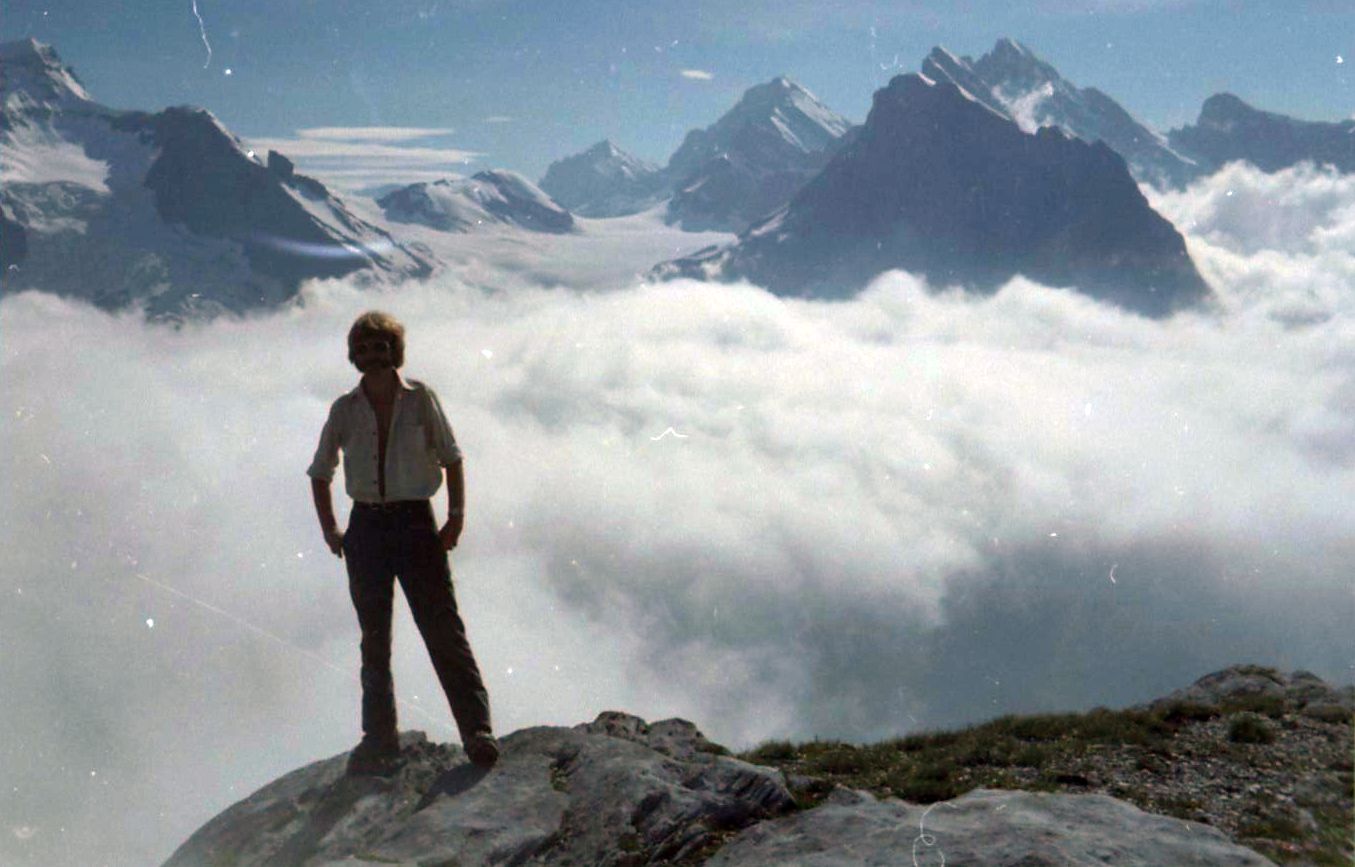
402,540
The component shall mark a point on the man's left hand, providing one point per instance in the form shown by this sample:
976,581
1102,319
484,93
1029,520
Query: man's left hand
451,532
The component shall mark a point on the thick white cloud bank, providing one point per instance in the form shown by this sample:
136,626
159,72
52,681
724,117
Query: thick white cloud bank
909,510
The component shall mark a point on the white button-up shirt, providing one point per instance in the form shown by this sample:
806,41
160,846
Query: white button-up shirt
418,446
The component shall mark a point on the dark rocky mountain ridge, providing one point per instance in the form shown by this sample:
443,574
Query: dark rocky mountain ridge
938,183
1229,129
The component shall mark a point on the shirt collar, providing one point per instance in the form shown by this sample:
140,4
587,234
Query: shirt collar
357,394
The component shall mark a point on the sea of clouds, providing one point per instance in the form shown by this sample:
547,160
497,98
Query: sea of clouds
773,517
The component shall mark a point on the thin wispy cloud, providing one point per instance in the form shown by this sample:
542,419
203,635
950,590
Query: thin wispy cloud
325,148
499,118
373,133
357,158
697,74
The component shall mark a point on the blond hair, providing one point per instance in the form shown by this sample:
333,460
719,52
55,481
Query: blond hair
377,323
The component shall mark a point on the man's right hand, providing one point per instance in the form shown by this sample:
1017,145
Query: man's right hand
334,539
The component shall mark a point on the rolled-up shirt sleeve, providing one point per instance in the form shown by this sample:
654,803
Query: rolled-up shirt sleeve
327,452
443,441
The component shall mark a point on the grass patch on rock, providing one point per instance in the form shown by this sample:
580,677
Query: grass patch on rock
1057,752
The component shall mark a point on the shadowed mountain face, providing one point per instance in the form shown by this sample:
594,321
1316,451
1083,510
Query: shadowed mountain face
167,210
940,184
1229,129
1014,82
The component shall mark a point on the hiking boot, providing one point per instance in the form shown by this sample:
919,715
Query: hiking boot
374,757
482,750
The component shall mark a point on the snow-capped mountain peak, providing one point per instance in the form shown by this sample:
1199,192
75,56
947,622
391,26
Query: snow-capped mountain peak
32,74
1016,65
797,115
166,210
753,158
603,181
941,65
1016,83
486,200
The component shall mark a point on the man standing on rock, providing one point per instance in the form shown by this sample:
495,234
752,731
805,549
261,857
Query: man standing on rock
395,441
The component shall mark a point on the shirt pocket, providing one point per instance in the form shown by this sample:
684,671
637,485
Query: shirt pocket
412,441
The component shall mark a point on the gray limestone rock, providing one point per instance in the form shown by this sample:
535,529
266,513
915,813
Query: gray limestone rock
610,792
991,827
1299,690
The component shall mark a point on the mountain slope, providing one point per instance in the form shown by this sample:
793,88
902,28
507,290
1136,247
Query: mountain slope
489,198
1230,129
604,181
168,211
938,183
753,159
1015,82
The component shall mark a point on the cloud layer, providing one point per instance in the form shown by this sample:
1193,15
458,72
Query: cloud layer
913,509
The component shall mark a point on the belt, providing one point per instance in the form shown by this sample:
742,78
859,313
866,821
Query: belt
392,507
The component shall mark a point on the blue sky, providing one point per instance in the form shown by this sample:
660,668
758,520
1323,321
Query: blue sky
514,84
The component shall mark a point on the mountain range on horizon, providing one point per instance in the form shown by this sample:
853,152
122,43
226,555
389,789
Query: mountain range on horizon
941,184
1015,82
167,210
496,197
171,211
720,178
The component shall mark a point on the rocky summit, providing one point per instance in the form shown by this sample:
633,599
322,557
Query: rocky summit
1229,129
613,791
621,791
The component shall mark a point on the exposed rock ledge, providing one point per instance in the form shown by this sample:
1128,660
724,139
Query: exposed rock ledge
619,791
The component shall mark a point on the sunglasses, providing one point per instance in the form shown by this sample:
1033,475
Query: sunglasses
361,346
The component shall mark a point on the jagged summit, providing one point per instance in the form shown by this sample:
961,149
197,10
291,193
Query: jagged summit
753,159
1229,129
1015,64
942,65
1015,82
721,177
778,120
939,184
1223,109
604,181
604,148
33,72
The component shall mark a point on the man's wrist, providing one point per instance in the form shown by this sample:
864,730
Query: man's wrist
456,513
